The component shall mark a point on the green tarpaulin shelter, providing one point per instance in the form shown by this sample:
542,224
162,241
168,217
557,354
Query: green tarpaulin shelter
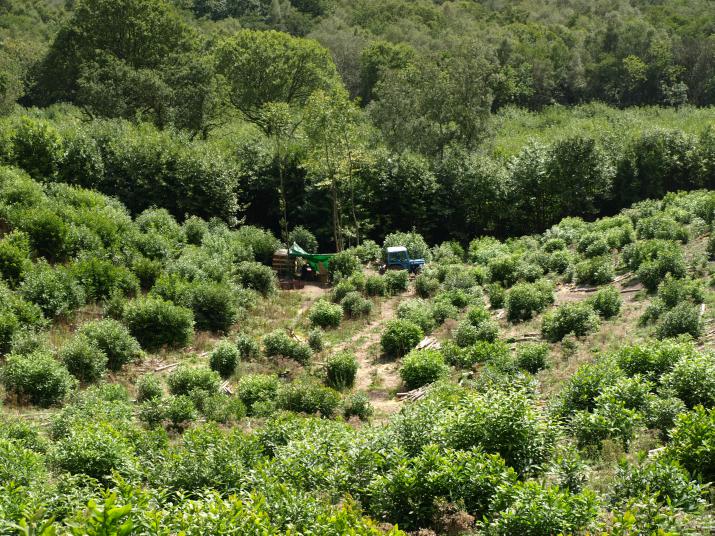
313,259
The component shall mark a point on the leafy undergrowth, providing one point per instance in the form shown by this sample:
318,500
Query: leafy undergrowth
156,382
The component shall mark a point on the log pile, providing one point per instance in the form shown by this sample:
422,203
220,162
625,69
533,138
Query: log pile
428,343
413,395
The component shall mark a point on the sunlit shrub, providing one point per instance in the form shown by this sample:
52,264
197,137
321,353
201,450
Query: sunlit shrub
578,318
340,370
156,323
37,378
421,367
400,336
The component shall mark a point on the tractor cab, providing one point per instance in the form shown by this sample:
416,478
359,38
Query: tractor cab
397,258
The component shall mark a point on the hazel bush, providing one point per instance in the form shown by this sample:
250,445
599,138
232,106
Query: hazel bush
224,358
400,336
417,311
341,370
54,290
279,343
683,319
114,339
248,347
525,300
692,379
37,378
375,285
156,323
254,388
358,405
355,306
532,357
606,302
578,318
421,367
426,286
595,271
325,314
149,386
396,281
185,379
308,397
84,358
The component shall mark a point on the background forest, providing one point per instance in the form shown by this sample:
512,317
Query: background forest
361,118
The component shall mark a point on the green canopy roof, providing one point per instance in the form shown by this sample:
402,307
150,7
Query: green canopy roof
313,259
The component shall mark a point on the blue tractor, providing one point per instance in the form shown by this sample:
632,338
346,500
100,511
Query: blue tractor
397,258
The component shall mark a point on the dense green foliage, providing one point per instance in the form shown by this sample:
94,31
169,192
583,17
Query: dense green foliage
154,155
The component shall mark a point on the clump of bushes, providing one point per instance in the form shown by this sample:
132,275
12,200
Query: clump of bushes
610,419
663,479
396,281
358,405
14,262
656,262
524,300
375,285
224,358
343,264
248,348
149,387
595,271
213,304
607,302
417,311
560,261
184,380
652,360
180,410
692,379
355,306
692,442
661,227
478,326
593,245
681,319
304,396
101,278
94,449
315,340
532,357
578,318
54,290
325,314
341,370
37,378
426,286
496,294
256,276
114,339
400,336
222,408
442,309
279,343
421,367
84,359
255,388
156,323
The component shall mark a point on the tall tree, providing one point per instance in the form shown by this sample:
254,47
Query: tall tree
142,34
335,134
264,67
437,101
